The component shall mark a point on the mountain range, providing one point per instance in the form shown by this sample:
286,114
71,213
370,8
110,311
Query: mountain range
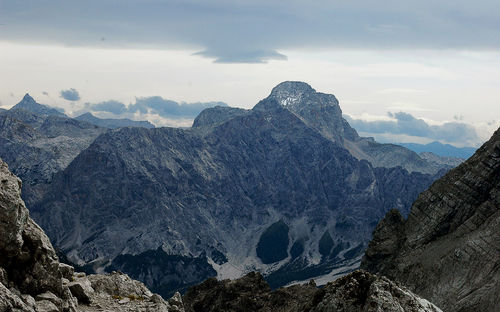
278,189
440,149
113,123
287,188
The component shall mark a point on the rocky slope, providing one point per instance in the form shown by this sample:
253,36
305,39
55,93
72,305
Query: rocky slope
32,279
444,150
358,291
441,160
263,189
448,250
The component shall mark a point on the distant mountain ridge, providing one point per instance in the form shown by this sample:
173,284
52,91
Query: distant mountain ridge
113,123
445,150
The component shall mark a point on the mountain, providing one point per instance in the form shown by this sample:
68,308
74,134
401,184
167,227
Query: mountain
445,150
448,250
113,123
29,104
269,189
38,145
322,112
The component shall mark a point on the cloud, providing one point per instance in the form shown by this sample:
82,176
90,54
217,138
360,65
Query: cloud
153,105
110,106
404,124
254,31
244,56
70,95
158,105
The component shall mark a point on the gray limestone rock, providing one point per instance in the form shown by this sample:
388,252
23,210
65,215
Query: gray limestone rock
82,289
118,292
66,270
29,265
11,302
118,284
46,306
362,291
48,296
176,304
357,291
447,250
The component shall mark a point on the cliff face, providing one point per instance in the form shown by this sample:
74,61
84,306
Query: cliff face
28,263
448,250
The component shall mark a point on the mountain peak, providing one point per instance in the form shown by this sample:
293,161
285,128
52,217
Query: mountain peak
28,99
28,103
291,92
87,114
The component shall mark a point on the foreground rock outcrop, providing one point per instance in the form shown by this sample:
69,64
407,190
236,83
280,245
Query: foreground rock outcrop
30,273
33,279
358,291
448,250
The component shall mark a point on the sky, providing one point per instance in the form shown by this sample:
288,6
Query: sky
403,71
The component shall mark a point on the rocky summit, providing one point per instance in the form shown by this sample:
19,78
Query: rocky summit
272,189
448,250
32,278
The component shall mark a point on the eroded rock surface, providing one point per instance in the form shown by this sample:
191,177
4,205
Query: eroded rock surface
28,264
448,250
118,292
358,291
